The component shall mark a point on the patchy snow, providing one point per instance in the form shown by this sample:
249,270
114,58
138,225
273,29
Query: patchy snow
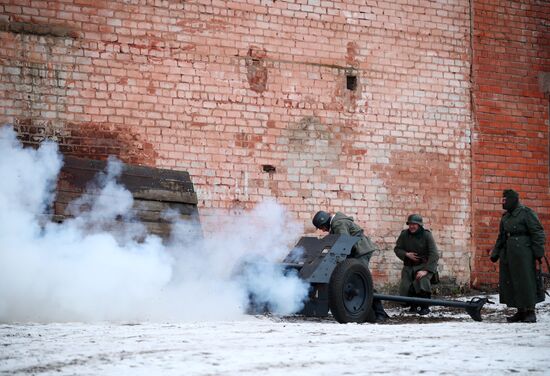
446,342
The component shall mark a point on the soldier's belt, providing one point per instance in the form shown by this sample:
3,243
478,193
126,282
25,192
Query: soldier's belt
512,234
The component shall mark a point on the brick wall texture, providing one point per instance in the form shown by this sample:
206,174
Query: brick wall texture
377,109
511,64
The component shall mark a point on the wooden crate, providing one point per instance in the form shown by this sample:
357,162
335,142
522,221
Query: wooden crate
154,191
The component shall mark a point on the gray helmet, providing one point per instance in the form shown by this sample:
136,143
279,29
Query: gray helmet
320,219
415,218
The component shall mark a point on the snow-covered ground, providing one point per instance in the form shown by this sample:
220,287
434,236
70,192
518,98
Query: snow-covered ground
446,342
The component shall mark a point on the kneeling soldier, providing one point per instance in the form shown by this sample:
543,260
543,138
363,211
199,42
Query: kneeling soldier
416,247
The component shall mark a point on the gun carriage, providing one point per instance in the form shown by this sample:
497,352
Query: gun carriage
343,285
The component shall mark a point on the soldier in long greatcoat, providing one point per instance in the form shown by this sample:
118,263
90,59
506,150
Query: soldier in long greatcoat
520,242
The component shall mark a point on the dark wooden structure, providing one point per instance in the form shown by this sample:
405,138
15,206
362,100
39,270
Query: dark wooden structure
154,191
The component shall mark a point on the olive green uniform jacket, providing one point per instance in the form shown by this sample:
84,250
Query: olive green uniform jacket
520,241
342,224
423,244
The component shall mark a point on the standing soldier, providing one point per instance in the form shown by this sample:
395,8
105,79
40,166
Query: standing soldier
340,223
416,248
520,242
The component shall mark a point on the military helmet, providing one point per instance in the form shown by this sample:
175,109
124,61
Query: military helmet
320,219
510,193
415,218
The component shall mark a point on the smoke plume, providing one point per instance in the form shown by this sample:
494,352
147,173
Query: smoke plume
87,269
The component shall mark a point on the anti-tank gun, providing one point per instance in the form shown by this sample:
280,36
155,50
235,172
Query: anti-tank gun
344,285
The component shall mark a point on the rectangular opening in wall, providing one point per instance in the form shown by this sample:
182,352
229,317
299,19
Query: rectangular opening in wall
351,82
269,169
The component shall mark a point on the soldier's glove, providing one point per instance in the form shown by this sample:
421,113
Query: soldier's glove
493,258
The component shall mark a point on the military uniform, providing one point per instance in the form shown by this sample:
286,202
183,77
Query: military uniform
520,241
423,244
342,224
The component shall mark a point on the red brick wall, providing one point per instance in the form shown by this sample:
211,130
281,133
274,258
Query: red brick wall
229,90
511,47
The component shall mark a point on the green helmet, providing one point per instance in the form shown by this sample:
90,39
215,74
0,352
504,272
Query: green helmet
320,219
415,218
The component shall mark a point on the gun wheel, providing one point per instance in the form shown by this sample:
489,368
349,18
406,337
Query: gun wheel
350,292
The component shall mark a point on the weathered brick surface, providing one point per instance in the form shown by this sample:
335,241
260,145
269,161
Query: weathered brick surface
511,51
257,99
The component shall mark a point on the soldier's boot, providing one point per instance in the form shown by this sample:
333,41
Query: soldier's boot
529,316
381,314
424,308
518,316
413,307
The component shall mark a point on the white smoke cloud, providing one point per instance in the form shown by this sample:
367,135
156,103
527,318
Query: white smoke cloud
89,269
104,203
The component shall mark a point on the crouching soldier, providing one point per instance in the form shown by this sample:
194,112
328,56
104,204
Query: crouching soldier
416,248
341,224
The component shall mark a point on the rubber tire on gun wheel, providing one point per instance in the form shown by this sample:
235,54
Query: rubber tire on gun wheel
350,292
